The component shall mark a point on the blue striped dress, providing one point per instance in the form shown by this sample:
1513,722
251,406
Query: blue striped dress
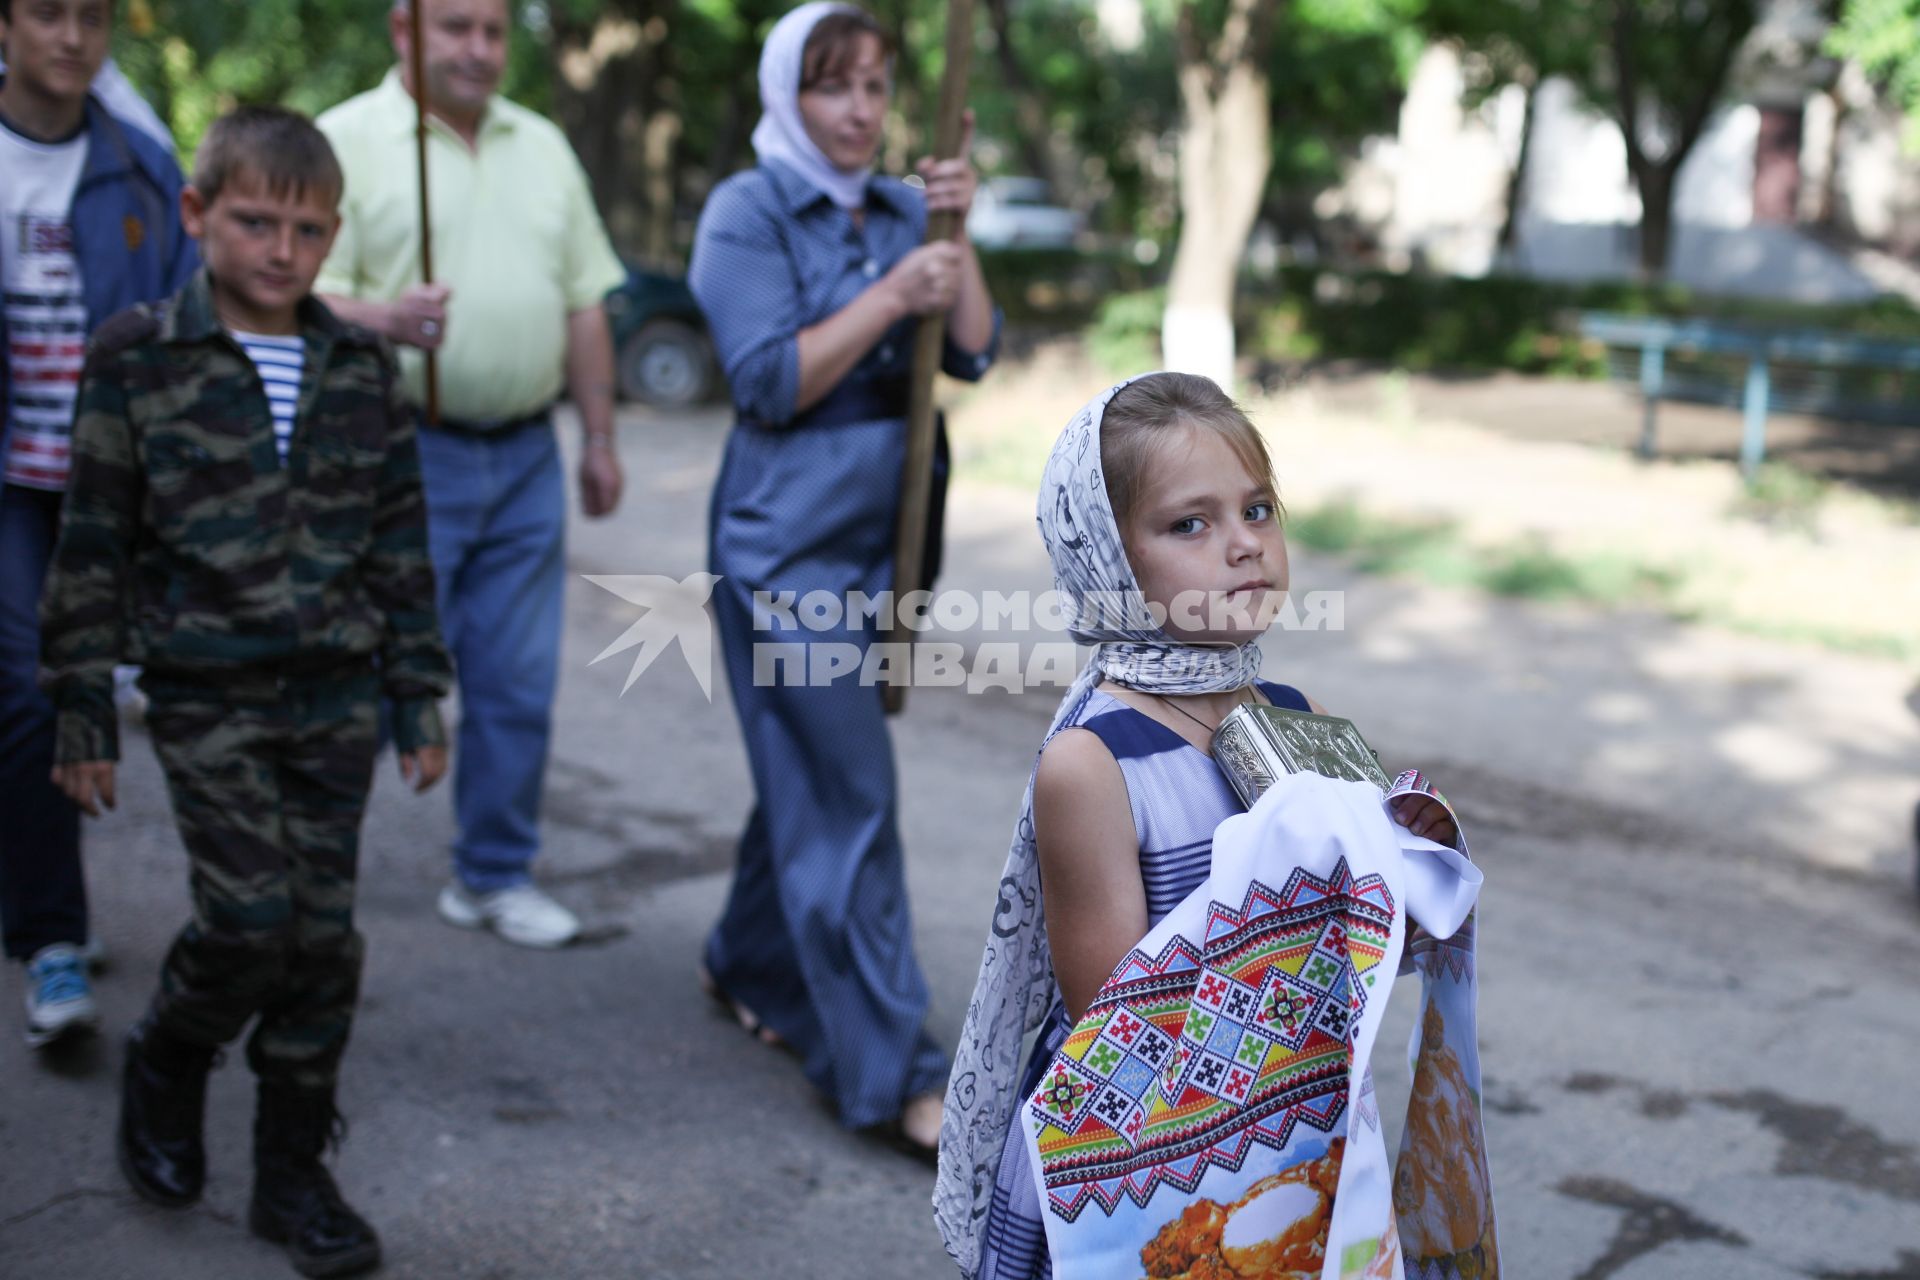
1178,797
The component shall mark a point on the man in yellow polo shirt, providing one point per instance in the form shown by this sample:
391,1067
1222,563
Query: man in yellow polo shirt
522,263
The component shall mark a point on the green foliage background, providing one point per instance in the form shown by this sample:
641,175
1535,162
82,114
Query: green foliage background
1111,115
194,59
1884,37
1337,74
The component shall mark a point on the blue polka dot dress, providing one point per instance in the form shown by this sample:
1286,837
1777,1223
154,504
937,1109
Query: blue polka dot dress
1178,796
815,937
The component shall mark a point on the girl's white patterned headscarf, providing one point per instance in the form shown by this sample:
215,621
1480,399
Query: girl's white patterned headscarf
781,135
1016,988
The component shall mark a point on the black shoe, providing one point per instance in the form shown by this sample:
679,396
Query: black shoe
163,1104
295,1201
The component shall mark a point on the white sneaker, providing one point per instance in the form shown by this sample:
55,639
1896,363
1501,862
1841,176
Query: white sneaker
522,915
59,1001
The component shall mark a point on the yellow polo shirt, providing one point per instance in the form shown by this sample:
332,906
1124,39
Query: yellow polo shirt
515,236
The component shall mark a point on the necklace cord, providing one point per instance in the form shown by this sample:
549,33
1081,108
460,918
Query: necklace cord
1210,728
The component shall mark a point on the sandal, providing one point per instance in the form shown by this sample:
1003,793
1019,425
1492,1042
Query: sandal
749,1020
916,1130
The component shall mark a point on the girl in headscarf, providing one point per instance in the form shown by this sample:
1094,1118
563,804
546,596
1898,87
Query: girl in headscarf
1160,513
813,278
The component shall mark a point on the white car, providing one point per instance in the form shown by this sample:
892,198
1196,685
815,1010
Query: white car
1014,213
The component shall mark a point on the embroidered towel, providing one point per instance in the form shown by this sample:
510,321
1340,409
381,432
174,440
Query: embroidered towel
1212,1113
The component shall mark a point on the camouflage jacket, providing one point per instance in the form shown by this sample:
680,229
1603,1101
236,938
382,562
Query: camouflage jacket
186,546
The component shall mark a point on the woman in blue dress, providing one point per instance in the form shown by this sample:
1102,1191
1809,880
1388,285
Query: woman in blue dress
813,278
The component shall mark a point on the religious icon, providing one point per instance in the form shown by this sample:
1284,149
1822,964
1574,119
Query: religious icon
1256,743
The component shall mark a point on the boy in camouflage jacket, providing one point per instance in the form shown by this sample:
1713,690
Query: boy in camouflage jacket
246,521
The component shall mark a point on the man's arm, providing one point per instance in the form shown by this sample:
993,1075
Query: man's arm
590,386
590,270
365,312
417,318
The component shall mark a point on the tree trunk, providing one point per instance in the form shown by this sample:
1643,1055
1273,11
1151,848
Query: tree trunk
1825,213
1657,174
661,141
904,143
730,137
1226,153
607,97
1656,183
737,85
1517,180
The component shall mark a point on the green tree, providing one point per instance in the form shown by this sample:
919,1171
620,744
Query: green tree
193,60
1226,152
1338,72
1514,43
1883,36
1267,89
660,96
1658,67
1668,70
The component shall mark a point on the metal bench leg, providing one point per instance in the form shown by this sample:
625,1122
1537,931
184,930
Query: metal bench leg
1653,368
1753,440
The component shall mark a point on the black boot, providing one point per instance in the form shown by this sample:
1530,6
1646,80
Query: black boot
163,1105
295,1202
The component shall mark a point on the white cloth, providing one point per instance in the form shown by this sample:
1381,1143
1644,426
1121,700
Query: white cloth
281,360
45,304
1015,987
781,135
119,96
1220,1076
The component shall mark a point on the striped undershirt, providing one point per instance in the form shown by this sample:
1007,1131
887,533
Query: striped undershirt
280,361
44,301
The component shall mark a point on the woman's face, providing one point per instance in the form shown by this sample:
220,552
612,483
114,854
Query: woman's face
1205,543
843,113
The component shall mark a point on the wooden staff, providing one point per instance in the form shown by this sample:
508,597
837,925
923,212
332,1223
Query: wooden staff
417,61
916,472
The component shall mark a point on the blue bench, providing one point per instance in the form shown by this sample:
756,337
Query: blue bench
1655,336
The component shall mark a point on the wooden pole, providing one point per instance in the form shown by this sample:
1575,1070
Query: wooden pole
417,71
916,472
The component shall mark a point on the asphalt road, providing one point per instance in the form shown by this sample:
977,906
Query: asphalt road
1697,1008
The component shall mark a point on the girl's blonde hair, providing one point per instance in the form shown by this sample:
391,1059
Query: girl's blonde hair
1138,423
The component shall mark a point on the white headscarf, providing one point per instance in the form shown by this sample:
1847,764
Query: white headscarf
1016,988
781,135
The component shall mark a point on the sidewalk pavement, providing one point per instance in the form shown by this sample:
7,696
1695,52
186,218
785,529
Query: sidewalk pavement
1697,1013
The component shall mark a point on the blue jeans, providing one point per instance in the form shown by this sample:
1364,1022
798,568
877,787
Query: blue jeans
496,529
43,896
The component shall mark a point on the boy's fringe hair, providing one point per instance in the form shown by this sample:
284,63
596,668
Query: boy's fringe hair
1136,425
279,148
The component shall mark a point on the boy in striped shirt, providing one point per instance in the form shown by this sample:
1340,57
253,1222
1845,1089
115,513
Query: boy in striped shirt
245,520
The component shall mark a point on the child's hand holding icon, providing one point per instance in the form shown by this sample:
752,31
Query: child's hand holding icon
1425,816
